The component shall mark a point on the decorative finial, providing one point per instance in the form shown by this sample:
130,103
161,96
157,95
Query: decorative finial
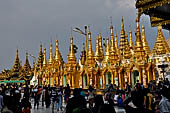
137,19
50,39
71,30
111,19
88,28
122,23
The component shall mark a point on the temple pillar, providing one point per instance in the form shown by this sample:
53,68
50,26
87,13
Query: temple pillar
104,82
140,76
129,76
148,76
81,81
120,81
112,74
153,73
57,81
125,77
88,80
48,83
73,83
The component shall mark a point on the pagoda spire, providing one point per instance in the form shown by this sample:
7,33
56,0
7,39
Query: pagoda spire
122,39
90,51
144,42
45,58
100,44
50,61
17,65
127,53
98,55
27,66
139,52
112,43
116,44
71,54
160,46
113,50
40,58
57,52
130,39
107,50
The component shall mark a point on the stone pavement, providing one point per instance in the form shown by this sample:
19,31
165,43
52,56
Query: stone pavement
49,110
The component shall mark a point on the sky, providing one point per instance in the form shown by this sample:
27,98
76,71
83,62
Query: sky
24,24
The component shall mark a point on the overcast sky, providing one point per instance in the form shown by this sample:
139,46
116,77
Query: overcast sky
26,23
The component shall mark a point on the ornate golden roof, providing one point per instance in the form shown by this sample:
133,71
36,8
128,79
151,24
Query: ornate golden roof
144,42
139,51
40,58
127,53
113,52
27,66
160,46
71,55
90,55
122,39
71,64
98,54
17,66
57,53
90,51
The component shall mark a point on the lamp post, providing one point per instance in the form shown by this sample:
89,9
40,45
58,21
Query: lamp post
76,29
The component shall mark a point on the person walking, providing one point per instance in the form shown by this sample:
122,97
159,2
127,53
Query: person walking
59,99
47,98
91,96
67,93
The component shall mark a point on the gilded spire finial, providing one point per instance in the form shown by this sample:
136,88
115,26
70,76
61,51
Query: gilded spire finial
51,54
90,51
98,55
71,54
122,39
57,52
100,45
27,66
144,41
130,39
122,26
111,26
116,44
45,59
107,50
40,58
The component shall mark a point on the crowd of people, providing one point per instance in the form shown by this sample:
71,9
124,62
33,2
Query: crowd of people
155,98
